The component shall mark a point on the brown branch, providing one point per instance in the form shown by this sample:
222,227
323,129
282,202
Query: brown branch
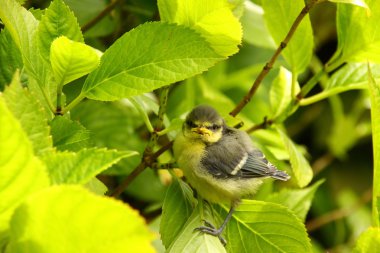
146,161
100,16
339,213
263,125
268,66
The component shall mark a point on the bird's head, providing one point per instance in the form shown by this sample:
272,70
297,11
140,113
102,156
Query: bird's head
205,124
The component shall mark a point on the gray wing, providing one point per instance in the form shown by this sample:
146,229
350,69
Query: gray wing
234,157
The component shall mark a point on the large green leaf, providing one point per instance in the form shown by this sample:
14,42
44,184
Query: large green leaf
65,219
189,240
374,90
297,200
302,170
259,226
176,210
149,57
31,115
358,33
79,168
369,241
279,16
212,18
21,172
71,60
10,58
58,20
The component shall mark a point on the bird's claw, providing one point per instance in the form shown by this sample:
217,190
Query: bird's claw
211,230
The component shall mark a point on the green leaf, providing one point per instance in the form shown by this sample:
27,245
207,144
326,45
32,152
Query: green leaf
176,210
81,167
69,135
211,18
139,62
374,90
255,31
71,60
10,58
360,3
259,226
21,172
190,241
58,20
80,221
302,170
297,200
279,16
281,92
358,34
112,125
369,241
30,114
351,76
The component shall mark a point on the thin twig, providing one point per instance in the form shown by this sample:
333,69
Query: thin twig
148,158
263,125
268,66
100,16
339,213
146,161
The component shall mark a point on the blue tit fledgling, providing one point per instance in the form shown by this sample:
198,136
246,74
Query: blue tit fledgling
220,162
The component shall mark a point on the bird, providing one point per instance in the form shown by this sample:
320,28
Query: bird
220,162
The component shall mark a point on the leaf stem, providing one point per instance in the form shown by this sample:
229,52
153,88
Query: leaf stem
268,66
73,103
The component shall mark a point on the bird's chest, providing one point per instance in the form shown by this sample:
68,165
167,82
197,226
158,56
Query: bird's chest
188,155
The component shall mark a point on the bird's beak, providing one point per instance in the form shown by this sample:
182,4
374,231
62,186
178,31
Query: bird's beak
201,131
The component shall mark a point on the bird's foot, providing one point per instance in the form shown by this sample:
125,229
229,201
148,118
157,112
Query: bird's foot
211,230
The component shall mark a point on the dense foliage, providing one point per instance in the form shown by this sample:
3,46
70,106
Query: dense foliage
93,93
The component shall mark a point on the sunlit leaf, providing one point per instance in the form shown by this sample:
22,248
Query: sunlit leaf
259,226
79,168
71,60
360,3
139,62
57,20
374,90
212,18
369,241
21,172
72,213
358,34
31,115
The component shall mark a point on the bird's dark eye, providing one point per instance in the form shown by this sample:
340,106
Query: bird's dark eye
215,127
190,124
